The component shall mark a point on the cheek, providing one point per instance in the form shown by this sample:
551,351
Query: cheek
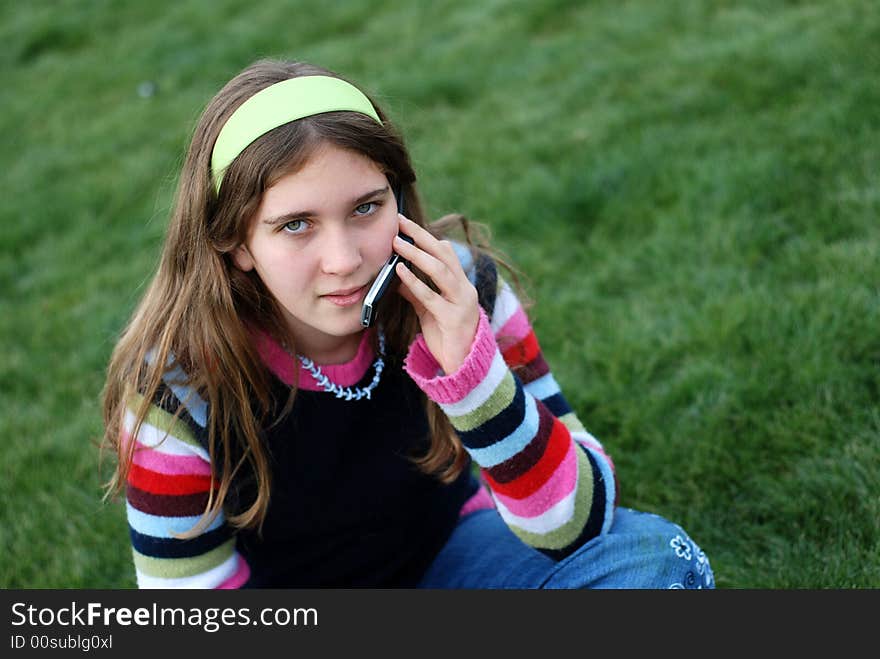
379,249
387,232
280,268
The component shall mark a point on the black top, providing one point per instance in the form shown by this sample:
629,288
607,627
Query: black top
348,507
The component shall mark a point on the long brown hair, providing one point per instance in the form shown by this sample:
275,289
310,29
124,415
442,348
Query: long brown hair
199,309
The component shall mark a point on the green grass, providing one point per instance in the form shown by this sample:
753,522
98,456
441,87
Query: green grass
691,187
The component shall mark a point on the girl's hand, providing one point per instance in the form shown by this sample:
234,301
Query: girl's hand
449,318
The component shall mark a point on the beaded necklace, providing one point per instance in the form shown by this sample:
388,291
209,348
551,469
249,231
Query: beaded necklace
348,393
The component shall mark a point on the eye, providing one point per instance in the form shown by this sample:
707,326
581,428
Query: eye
294,227
366,209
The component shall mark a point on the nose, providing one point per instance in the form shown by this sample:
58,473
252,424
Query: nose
340,252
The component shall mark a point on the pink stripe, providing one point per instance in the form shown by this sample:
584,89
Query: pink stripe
598,449
559,486
288,369
164,463
242,574
482,500
447,389
275,357
420,361
517,326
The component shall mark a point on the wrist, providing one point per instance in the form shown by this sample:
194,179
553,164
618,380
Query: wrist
453,359
449,386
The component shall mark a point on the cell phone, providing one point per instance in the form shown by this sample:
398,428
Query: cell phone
386,274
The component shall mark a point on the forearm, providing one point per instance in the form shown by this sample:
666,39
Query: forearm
552,491
168,488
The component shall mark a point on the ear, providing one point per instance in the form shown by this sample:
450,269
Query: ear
242,258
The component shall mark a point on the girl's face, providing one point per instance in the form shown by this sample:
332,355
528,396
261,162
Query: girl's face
317,241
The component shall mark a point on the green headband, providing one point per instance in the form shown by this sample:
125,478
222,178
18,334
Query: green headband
279,104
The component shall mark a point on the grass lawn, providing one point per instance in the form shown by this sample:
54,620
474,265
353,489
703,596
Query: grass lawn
691,187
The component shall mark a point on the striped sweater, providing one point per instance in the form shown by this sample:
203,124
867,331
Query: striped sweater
549,479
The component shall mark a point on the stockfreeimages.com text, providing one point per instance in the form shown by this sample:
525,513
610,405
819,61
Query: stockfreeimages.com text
209,619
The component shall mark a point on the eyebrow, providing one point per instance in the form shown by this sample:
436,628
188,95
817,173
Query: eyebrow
299,215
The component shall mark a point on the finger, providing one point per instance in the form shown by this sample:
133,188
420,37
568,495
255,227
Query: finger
447,280
442,250
408,295
419,233
421,292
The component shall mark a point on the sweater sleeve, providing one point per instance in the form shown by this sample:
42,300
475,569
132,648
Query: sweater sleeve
550,479
167,491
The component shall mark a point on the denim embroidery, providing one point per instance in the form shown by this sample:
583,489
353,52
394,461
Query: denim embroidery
687,549
682,547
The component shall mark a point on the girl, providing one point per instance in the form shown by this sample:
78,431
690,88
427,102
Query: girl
266,438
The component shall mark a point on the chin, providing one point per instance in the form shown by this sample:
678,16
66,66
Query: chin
345,327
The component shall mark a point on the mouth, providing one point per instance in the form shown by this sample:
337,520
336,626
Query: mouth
346,297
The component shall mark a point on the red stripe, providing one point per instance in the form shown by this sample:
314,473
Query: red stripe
167,505
519,464
531,481
156,483
533,370
523,351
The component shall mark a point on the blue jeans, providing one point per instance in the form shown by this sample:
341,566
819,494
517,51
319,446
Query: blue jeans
642,550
